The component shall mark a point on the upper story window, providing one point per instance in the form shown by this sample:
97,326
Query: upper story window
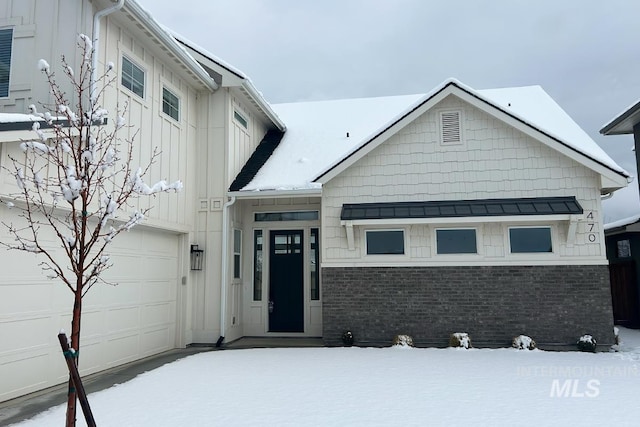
6,46
385,242
170,104
530,240
132,77
456,241
240,119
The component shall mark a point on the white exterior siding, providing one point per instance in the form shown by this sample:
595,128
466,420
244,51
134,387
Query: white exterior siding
255,315
149,311
494,161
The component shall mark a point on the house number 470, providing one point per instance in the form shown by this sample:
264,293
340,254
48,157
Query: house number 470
591,225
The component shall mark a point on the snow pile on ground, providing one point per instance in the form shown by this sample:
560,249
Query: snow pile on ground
373,386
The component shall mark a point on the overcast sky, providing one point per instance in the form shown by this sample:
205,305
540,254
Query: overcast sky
584,53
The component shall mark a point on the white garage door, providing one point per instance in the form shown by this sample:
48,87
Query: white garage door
134,319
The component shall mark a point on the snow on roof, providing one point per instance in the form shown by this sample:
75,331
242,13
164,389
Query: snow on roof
622,222
18,118
316,137
534,106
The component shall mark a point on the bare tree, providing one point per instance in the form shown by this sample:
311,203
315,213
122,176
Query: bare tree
77,181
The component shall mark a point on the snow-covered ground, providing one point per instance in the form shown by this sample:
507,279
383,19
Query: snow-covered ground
372,386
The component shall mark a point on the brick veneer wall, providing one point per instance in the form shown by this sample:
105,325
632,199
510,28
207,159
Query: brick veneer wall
552,304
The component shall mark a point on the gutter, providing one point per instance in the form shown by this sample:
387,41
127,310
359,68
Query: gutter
259,99
172,44
94,39
248,195
225,269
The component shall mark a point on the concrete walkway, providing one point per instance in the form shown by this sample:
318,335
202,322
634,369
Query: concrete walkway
25,407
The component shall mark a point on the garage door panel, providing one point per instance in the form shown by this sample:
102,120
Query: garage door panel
121,323
157,314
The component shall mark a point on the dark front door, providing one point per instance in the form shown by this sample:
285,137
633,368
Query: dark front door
286,299
624,294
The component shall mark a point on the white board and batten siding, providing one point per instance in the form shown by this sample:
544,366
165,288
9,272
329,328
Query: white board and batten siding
142,315
492,160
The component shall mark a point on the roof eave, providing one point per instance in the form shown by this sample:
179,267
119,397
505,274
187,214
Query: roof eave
274,194
263,104
172,45
623,123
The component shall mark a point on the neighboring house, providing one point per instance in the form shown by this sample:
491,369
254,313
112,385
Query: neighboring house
623,251
459,210
623,236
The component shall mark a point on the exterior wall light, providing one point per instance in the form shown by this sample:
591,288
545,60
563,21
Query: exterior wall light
197,255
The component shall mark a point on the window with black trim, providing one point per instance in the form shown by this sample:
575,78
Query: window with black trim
530,240
624,248
132,77
237,251
6,47
170,104
286,216
385,242
456,241
314,257
257,265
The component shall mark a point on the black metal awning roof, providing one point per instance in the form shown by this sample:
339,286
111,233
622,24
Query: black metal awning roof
462,208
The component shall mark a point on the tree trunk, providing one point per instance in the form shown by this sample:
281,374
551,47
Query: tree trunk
72,396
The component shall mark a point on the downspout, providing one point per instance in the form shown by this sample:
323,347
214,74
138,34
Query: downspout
94,40
225,269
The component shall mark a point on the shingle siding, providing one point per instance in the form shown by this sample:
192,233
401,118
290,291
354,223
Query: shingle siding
552,304
495,161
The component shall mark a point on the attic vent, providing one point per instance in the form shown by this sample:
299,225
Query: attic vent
450,130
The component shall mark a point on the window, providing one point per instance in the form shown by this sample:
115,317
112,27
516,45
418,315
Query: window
450,127
385,242
170,104
462,241
286,216
132,77
237,250
624,248
314,257
530,240
285,244
6,45
257,265
240,119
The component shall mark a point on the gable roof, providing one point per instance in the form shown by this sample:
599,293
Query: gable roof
316,146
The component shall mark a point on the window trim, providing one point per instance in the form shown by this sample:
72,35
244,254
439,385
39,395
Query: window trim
171,92
144,73
237,254
255,291
526,254
435,240
284,220
11,60
240,118
377,230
